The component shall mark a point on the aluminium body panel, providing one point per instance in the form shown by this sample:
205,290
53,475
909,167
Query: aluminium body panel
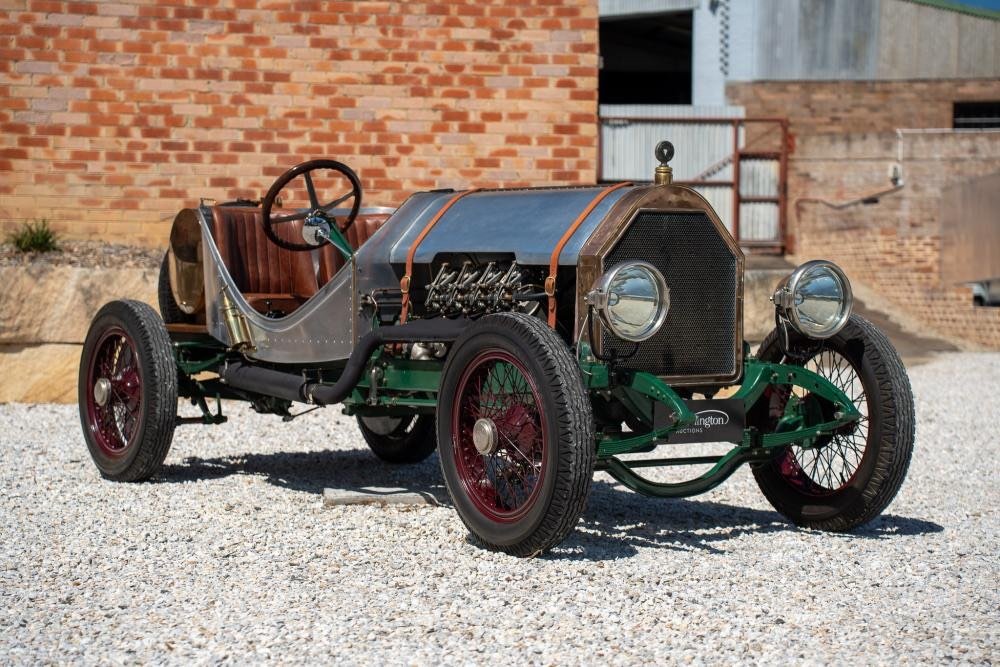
526,223
319,330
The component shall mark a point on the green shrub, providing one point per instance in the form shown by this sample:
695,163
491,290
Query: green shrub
34,237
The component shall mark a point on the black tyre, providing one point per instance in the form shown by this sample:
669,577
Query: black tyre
515,434
408,439
169,310
127,391
850,477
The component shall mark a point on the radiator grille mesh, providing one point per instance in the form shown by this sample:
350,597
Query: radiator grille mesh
699,336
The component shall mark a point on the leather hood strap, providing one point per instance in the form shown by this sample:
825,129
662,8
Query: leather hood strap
550,282
404,283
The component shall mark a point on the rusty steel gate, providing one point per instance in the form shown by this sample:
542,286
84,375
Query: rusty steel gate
740,165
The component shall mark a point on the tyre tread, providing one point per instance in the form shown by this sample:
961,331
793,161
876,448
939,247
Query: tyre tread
575,423
896,427
146,327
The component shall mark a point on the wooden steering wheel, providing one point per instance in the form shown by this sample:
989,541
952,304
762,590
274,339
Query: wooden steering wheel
317,212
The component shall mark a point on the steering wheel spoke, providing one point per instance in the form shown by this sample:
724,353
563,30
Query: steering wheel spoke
336,202
311,189
290,217
305,170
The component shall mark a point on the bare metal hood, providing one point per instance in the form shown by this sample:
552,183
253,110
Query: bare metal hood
527,222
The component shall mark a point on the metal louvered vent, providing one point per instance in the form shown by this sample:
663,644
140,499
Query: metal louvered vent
701,339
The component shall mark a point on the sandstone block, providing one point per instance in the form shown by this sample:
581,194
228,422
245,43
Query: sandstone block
39,373
54,304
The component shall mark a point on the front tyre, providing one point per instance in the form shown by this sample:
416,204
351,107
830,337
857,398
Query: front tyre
127,391
515,434
406,439
849,477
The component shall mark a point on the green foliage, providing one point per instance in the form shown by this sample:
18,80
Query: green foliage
34,237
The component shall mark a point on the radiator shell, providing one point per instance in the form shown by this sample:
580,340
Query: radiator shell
675,229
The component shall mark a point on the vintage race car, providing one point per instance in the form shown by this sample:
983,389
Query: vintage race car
531,336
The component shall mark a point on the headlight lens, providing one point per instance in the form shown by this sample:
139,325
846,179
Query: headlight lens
633,300
816,299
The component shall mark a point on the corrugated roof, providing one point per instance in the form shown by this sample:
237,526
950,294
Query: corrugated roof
960,8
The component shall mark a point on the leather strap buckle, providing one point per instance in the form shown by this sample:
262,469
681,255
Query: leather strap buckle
550,286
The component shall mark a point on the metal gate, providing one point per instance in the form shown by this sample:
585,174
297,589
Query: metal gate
740,165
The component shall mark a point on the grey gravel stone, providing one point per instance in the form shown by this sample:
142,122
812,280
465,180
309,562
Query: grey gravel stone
230,556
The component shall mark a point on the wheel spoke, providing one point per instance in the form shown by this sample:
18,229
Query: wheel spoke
831,463
516,449
290,217
502,482
115,424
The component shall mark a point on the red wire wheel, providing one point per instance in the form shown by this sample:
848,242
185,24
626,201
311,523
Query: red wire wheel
515,434
114,414
845,479
127,391
500,436
833,462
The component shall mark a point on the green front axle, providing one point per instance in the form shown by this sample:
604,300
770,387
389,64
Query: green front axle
395,386
799,425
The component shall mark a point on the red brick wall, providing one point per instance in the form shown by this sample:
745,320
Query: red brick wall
115,114
893,247
844,139
821,108
818,107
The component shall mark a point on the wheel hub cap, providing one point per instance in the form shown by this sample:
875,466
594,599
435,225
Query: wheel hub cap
484,436
102,391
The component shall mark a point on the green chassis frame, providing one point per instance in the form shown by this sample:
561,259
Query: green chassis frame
392,386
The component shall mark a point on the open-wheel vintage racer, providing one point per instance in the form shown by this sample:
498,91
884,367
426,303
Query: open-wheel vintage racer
531,336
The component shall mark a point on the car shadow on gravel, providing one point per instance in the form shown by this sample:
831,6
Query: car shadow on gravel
616,524
311,472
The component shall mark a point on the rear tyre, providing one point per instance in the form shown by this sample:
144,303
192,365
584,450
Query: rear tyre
408,439
127,391
169,310
850,477
515,434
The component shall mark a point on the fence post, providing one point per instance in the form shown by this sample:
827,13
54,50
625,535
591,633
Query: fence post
736,180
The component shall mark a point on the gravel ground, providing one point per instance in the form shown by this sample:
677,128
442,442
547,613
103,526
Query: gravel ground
230,556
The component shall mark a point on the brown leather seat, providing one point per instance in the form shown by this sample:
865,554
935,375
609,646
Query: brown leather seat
330,259
270,277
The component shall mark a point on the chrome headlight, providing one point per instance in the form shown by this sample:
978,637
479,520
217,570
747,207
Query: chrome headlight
816,298
632,299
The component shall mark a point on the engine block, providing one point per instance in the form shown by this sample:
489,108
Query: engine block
474,290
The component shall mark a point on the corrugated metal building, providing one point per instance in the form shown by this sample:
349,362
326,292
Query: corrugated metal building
667,62
809,40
